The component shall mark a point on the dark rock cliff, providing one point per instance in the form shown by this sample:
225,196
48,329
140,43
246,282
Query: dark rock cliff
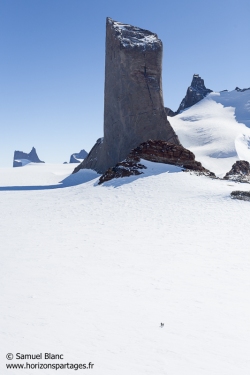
133,102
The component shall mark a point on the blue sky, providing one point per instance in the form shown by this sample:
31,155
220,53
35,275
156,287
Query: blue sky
52,63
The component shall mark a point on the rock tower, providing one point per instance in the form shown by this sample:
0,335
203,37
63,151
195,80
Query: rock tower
21,158
133,102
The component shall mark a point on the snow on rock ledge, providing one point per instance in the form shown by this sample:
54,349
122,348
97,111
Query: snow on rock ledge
135,37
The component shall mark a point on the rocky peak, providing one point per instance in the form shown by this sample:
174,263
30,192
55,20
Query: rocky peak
239,172
33,156
196,92
21,158
198,83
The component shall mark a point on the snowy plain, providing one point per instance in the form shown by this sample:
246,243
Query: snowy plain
91,271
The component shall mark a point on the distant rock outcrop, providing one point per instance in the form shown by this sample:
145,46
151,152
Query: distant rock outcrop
21,158
241,195
78,157
241,90
196,92
155,151
239,172
133,103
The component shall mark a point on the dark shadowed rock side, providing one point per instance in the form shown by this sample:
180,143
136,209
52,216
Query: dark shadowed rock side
133,101
156,151
21,158
239,172
74,158
241,90
169,112
241,195
196,92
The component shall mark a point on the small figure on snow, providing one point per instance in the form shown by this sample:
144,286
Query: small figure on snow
162,325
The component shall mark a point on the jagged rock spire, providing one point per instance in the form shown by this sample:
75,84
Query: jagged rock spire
196,92
20,157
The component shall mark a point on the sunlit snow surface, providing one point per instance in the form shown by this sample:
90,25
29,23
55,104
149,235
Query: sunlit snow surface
91,271
217,130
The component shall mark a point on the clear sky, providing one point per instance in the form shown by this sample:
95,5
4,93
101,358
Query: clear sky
52,63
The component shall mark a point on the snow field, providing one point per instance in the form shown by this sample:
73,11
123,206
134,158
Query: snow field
91,271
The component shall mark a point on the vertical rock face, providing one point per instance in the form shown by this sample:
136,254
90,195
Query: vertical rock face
133,103
196,92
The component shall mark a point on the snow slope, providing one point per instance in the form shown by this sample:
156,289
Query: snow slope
216,129
91,271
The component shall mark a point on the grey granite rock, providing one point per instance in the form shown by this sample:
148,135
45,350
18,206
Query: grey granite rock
21,158
133,102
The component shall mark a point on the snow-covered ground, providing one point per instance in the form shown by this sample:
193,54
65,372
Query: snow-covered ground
216,129
91,271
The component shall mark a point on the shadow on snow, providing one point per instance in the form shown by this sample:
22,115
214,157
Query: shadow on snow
72,180
86,175
153,169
